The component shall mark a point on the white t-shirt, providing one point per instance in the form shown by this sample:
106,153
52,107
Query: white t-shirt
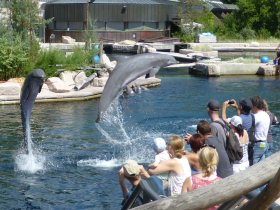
164,155
262,122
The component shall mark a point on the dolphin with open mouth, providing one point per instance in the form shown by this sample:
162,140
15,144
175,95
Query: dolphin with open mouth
127,71
31,87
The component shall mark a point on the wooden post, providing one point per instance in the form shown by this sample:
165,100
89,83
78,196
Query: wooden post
225,190
270,194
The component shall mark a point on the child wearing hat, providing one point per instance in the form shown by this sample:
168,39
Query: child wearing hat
132,172
162,154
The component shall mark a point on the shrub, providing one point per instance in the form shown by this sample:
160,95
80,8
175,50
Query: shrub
48,61
248,33
13,57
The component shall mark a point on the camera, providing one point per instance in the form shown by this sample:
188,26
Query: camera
231,102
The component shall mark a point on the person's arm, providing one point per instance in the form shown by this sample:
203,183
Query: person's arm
187,137
163,167
193,160
187,185
122,184
153,165
235,106
224,111
143,172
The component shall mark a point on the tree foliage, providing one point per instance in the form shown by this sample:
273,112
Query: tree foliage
13,57
254,19
26,21
261,16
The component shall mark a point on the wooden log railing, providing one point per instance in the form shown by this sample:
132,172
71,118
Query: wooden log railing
227,189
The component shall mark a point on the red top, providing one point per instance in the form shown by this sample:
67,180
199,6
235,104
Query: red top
198,183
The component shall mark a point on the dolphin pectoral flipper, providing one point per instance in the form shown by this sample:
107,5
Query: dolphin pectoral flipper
153,72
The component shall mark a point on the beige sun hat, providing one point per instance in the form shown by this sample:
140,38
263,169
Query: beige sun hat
131,168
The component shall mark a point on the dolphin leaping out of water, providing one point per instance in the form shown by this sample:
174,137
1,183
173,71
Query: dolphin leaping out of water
29,91
127,71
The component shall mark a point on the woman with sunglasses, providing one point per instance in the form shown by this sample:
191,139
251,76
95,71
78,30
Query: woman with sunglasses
208,159
178,167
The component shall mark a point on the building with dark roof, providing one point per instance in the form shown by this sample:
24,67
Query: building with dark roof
113,20
117,20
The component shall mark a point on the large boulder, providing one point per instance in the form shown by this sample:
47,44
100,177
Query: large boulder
72,78
68,40
19,80
107,63
67,77
10,88
56,85
99,81
267,70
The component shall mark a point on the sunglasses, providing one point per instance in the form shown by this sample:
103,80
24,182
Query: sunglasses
208,145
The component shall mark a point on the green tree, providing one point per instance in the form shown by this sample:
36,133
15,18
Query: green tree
191,12
26,21
13,57
261,16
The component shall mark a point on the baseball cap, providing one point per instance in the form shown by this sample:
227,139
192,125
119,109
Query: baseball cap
131,168
159,145
213,105
236,120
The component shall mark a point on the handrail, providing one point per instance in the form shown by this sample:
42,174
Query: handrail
225,190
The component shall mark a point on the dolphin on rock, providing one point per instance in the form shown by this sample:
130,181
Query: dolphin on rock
31,87
128,70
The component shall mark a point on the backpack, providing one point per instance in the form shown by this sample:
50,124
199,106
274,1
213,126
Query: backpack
251,131
233,147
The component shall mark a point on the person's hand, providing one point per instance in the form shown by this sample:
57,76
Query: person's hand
225,104
187,137
235,105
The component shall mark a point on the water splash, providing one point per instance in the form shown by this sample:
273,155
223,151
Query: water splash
99,163
113,121
29,163
127,141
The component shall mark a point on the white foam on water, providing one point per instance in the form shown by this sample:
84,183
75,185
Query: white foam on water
192,126
99,163
30,163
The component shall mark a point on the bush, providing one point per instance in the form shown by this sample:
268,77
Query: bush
48,61
184,37
51,60
248,33
13,57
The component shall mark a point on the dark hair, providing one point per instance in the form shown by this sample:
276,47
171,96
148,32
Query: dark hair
245,105
203,127
240,130
258,102
196,142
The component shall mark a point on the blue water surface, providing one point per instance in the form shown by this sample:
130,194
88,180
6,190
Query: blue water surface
82,160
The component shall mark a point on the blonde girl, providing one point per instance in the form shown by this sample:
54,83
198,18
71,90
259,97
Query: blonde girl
177,167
